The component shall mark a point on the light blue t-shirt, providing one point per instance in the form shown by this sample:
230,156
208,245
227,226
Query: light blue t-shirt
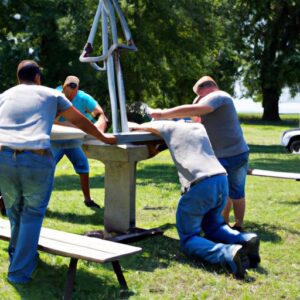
27,115
84,102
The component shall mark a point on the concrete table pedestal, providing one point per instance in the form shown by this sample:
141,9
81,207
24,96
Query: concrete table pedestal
120,181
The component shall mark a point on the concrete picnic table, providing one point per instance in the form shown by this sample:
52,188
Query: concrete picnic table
120,162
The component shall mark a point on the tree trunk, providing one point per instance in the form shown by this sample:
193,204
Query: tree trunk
270,105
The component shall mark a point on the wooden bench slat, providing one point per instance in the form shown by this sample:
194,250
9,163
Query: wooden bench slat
75,251
274,174
85,241
76,246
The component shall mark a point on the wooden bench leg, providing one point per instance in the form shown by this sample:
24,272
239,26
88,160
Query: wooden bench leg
70,279
119,273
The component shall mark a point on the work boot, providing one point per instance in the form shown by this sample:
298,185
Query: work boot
252,248
2,206
238,262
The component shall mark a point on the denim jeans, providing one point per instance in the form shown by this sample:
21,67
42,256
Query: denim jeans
76,156
236,168
26,181
200,208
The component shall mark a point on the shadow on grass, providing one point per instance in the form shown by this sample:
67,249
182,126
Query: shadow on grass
76,218
157,174
154,257
267,149
267,232
71,182
276,164
147,174
290,203
49,283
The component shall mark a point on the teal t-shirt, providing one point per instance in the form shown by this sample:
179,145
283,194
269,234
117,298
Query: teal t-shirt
84,102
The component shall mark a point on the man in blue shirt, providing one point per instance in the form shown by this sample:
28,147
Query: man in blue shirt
89,107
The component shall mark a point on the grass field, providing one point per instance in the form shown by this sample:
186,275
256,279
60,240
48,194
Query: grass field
161,271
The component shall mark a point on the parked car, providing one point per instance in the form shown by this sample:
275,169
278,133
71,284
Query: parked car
290,139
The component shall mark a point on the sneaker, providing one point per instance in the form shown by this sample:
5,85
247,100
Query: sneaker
238,228
239,262
252,248
91,204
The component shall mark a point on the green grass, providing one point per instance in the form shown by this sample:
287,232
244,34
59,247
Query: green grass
161,271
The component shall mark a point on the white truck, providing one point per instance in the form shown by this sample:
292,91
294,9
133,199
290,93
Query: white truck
290,139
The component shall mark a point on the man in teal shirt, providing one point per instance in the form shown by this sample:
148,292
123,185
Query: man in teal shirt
90,108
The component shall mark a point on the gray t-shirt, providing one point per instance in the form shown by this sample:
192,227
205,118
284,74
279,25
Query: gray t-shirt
27,113
223,126
190,149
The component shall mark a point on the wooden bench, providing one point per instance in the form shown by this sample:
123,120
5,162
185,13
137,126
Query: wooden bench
274,174
78,247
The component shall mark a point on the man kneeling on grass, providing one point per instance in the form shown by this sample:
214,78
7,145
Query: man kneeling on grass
204,195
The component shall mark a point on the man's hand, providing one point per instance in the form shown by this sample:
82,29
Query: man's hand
109,139
80,121
157,114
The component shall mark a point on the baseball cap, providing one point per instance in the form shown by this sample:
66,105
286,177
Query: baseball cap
72,79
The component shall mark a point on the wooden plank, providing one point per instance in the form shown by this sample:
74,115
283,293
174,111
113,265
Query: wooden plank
79,252
274,174
4,230
76,246
88,242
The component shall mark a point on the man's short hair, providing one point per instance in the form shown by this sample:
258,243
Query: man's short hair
137,112
27,70
204,82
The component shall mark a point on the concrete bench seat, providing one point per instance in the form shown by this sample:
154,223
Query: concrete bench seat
78,247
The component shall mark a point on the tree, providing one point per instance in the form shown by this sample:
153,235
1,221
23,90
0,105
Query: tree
178,41
266,35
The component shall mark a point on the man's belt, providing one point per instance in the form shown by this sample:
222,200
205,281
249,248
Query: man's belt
186,189
46,152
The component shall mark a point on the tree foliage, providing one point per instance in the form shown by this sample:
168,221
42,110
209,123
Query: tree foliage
177,44
178,41
52,32
266,36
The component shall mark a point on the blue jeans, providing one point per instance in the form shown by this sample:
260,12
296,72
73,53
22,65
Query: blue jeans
75,155
26,181
236,168
200,208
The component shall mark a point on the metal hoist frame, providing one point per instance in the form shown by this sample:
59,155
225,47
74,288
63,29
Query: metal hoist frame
110,56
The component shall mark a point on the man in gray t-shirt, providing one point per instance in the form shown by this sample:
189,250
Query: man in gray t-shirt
218,115
204,194
27,113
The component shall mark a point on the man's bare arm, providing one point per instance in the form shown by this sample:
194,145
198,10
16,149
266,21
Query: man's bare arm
102,120
80,121
183,111
143,127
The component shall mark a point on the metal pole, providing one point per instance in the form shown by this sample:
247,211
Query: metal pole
110,70
111,57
